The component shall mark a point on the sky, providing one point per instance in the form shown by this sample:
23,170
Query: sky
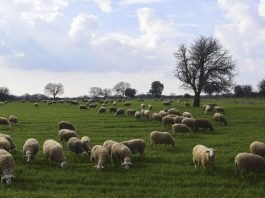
87,43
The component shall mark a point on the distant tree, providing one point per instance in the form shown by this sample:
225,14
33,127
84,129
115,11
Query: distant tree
156,89
186,96
247,89
261,87
4,93
204,62
120,88
106,92
54,89
243,90
129,92
214,88
95,92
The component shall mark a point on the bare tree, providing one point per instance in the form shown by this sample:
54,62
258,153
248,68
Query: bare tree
54,89
204,62
106,92
4,90
120,88
96,92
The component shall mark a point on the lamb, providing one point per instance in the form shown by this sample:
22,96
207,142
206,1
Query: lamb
137,115
178,119
142,106
6,166
147,114
4,144
167,120
187,114
150,107
86,143
157,117
30,149
122,153
4,121
108,144
163,113
66,134
202,123
112,109
102,110
182,128
82,107
131,112
173,111
189,122
66,125
53,151
13,119
12,144
218,117
245,162
204,156
218,109
119,112
75,145
158,137
100,155
136,146
257,148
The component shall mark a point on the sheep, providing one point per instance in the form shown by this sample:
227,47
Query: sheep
137,115
182,128
119,112
173,111
146,114
186,104
108,144
66,125
4,144
86,143
66,134
112,109
208,107
246,162
163,113
53,151
6,166
187,114
131,112
189,122
204,156
150,107
12,144
82,107
218,109
136,146
75,145
100,155
30,148
167,120
4,121
157,117
257,148
202,123
36,104
13,119
218,117
142,106
122,153
101,110
178,119
92,105
166,103
158,137
127,104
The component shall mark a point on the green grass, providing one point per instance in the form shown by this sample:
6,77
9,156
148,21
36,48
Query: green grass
162,173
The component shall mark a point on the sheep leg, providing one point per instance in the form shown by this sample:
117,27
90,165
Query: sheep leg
195,163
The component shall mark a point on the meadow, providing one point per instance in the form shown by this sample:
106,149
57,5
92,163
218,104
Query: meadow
162,173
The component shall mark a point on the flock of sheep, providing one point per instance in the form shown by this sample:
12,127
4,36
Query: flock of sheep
121,152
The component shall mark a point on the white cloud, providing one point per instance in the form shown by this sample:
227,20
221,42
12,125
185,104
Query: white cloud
140,1
262,8
104,5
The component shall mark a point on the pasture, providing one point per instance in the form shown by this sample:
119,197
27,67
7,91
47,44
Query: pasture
162,173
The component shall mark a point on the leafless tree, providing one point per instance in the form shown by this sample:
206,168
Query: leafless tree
54,89
120,88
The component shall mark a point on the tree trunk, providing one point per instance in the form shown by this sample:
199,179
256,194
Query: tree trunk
197,98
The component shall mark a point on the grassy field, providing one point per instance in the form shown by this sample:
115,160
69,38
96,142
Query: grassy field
162,173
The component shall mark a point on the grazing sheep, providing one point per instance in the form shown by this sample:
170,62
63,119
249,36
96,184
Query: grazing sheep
257,148
204,156
75,145
101,110
137,115
108,144
119,112
208,107
53,151
147,114
167,120
187,114
218,117
136,146
218,109
189,122
4,121
180,128
100,155
66,134
112,109
13,119
158,137
66,125
12,144
202,123
186,104
131,112
6,166
142,106
82,107
127,104
36,104
157,117
249,162
178,119
150,107
86,143
173,111
92,105
163,113
30,148
122,153
4,144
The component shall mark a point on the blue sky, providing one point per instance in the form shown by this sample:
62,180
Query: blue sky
86,43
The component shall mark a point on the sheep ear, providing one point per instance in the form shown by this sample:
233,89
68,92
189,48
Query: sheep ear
207,151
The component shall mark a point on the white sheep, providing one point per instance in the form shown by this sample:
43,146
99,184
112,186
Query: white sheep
101,110
86,143
257,148
75,145
202,123
187,114
137,115
100,155
182,128
142,106
119,112
108,144
147,114
167,120
218,117
150,107
66,125
66,134
4,144
158,137
173,111
6,166
8,137
30,148
13,119
204,156
122,153
189,122
136,146
157,117
4,121
53,151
